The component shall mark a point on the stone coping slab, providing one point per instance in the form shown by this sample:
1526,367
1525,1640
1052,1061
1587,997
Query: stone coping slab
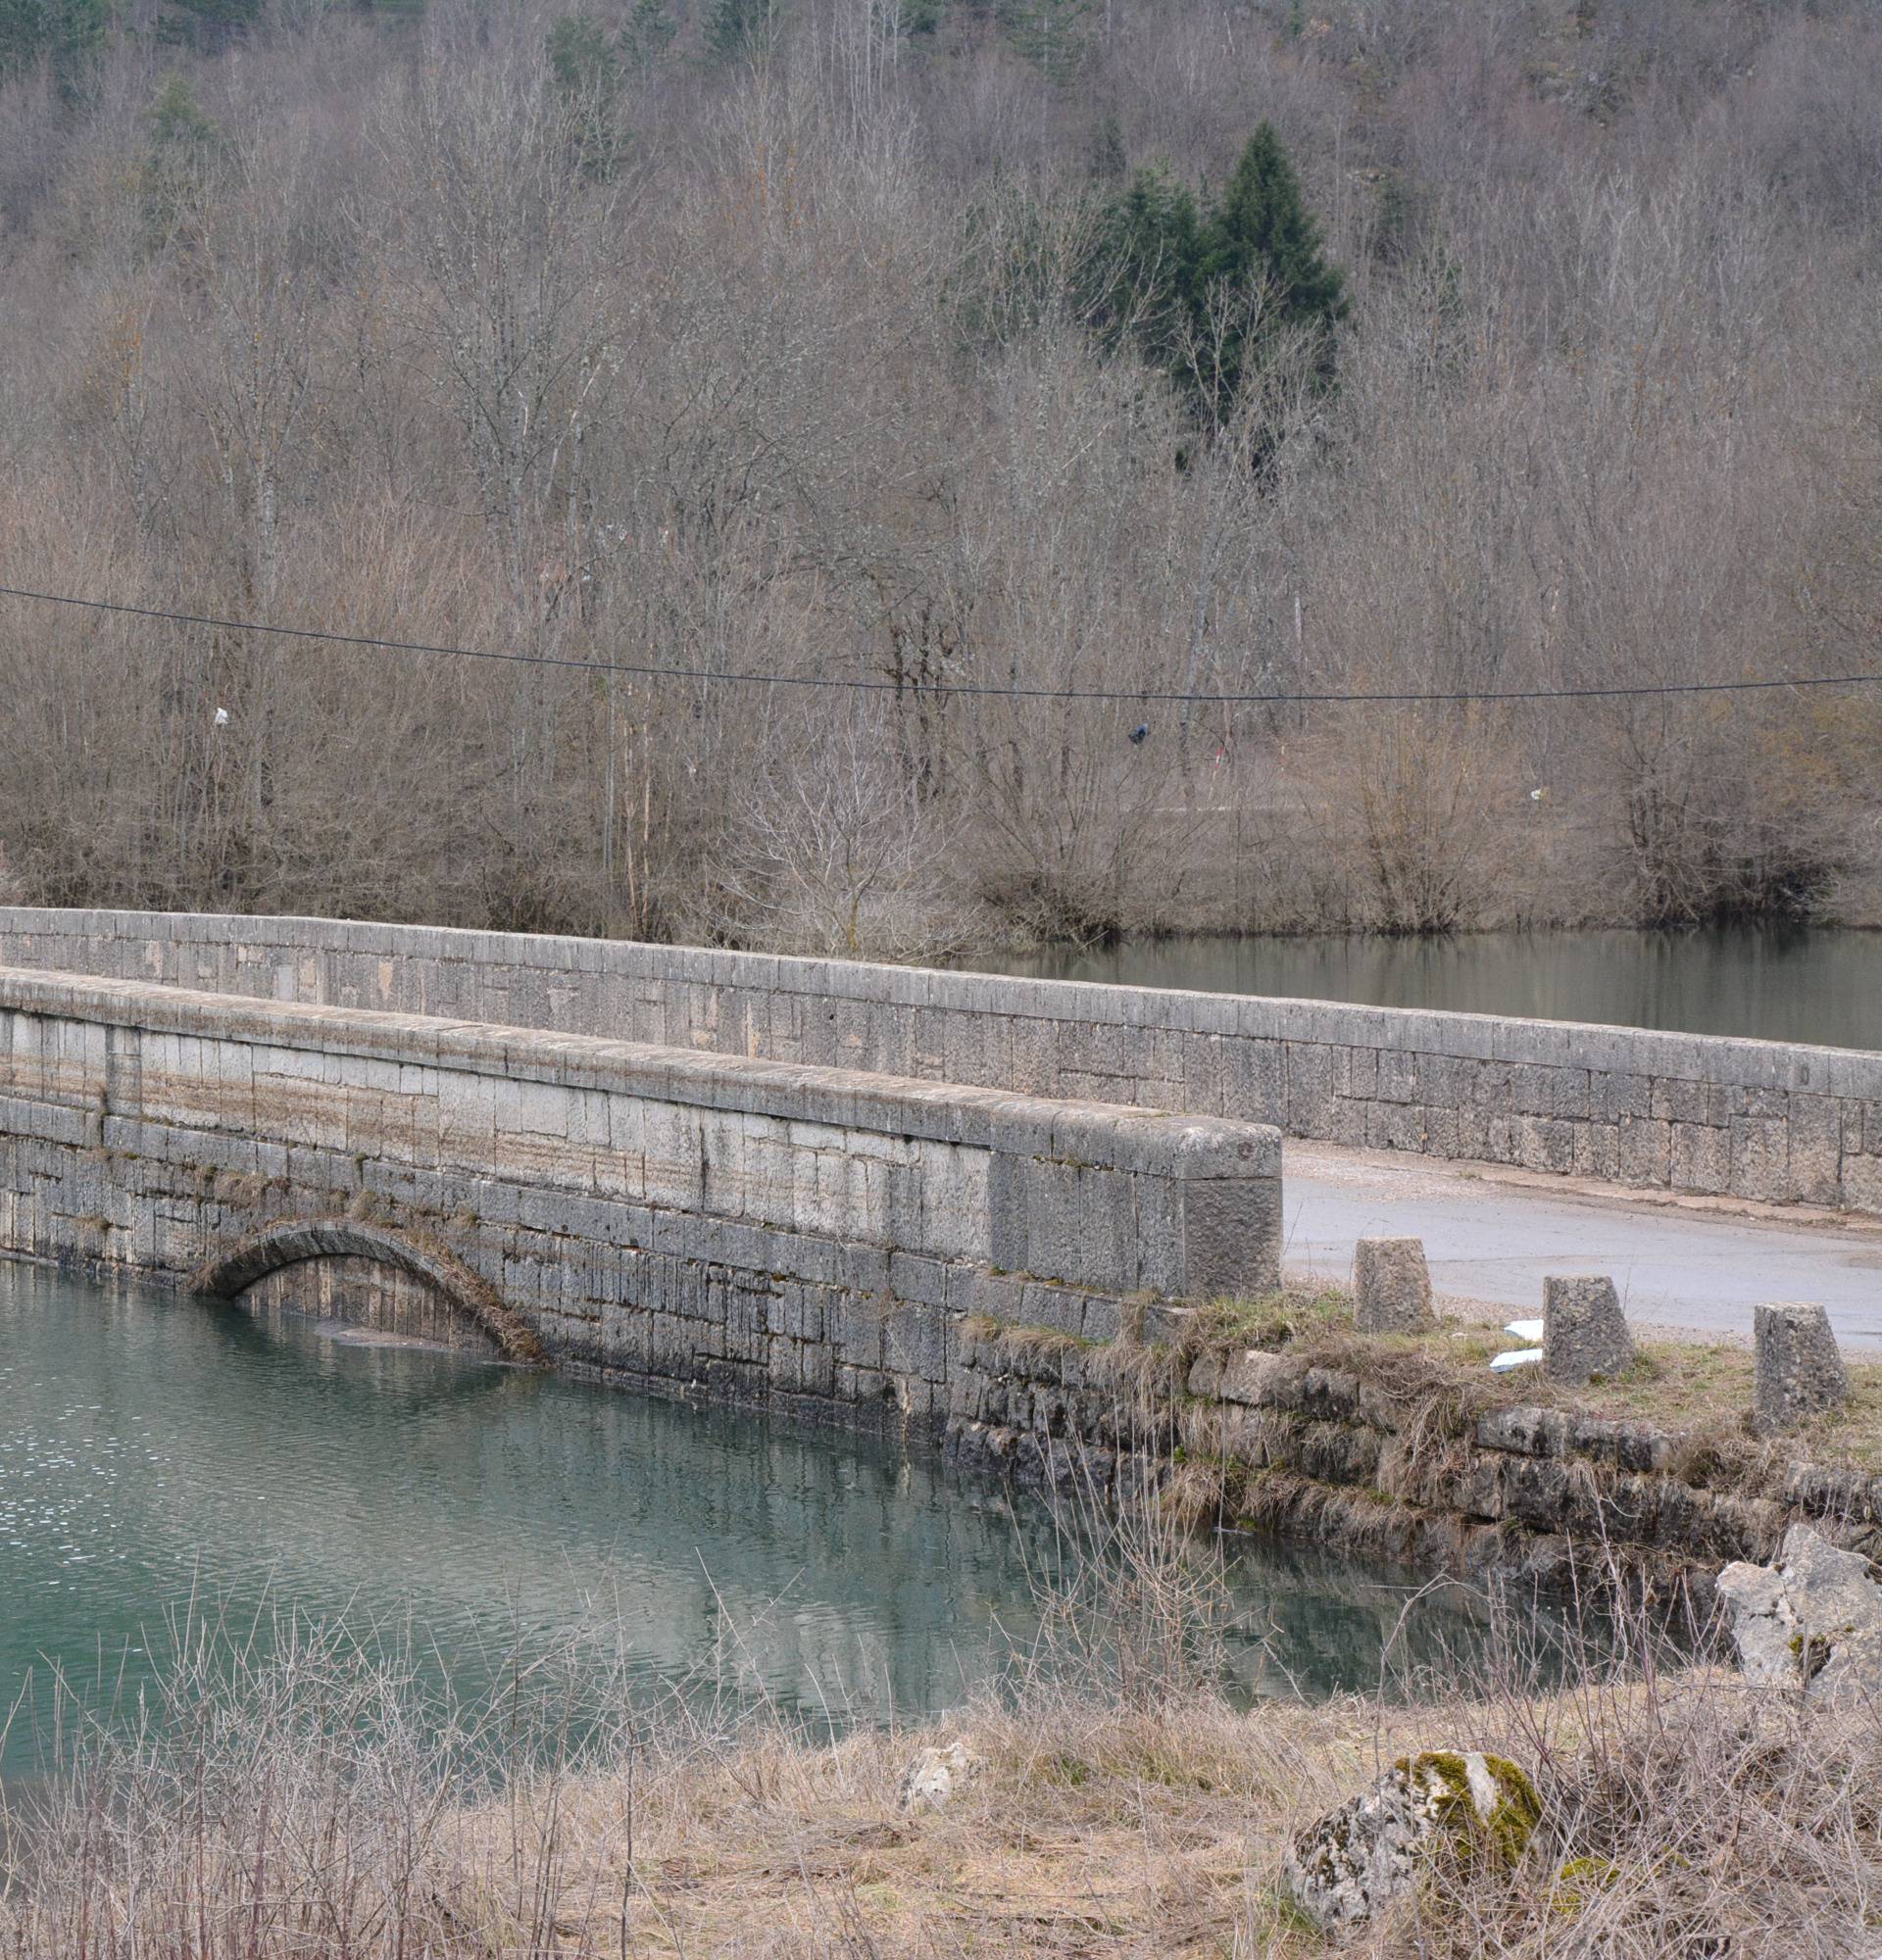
1720,1060
1189,1147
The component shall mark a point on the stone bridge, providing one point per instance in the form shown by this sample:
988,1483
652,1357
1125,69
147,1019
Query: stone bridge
756,1228
1776,1122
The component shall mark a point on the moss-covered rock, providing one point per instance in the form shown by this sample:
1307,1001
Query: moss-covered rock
1580,1881
1486,1805
1458,1808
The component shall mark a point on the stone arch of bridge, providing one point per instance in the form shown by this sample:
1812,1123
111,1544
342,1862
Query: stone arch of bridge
233,1271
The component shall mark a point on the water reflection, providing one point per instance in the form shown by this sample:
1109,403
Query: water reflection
154,1451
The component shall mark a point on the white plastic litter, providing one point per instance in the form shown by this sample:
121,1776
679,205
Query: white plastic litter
1526,1331
222,717
1516,1357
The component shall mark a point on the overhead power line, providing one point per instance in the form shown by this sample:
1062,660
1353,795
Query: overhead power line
514,657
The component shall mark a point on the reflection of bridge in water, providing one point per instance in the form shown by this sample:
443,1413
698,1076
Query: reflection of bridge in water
487,1518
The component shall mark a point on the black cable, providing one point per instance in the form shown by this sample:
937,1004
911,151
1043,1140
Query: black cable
989,688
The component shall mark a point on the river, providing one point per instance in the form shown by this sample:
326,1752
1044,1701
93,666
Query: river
1821,985
167,1463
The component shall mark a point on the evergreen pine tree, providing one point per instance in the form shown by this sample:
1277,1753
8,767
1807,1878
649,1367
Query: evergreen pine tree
585,67
1149,246
582,57
647,35
66,35
178,124
177,167
207,24
1053,35
1206,293
738,29
1261,250
1107,161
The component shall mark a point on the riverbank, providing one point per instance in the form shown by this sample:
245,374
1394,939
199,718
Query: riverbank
1680,1813
1274,1416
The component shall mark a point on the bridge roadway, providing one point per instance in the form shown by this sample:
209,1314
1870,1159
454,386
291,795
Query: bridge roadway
1693,1265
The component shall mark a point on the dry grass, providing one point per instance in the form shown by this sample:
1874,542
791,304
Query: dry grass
305,1803
1686,1817
1698,1389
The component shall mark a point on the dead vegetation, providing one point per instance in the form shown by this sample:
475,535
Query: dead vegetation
305,1806
1698,1392
336,317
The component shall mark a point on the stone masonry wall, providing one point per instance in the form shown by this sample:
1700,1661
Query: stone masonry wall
1339,1454
1766,1120
753,1227
1007,1273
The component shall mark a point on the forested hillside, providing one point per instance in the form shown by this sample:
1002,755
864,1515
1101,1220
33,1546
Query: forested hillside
1057,368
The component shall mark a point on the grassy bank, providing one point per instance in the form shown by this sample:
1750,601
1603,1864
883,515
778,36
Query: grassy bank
1683,1816
298,1799
1695,1389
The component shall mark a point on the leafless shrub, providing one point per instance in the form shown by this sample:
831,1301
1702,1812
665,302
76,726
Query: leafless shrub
834,849
794,382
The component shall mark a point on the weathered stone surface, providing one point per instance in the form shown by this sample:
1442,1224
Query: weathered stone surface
1813,1621
1391,1285
1584,1333
763,1227
936,1776
1477,1812
1772,1119
1796,1371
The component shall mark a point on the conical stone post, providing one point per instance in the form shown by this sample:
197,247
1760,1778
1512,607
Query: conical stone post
1796,1371
1391,1287
1584,1333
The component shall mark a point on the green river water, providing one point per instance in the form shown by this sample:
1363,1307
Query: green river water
164,1463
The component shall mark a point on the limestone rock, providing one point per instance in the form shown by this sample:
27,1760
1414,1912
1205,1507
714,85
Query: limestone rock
1391,1285
1476,1812
1813,1621
1796,1371
1584,1333
936,1776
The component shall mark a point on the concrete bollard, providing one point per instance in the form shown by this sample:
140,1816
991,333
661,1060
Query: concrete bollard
1584,1333
1796,1371
1391,1287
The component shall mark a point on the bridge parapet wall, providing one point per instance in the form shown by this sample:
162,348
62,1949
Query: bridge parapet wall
1765,1120
756,1225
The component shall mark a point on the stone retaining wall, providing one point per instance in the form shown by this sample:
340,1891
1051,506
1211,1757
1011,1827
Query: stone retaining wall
754,1227
1767,1120
1341,1456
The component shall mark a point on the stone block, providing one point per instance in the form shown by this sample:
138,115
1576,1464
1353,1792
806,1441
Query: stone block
1679,1102
1645,1150
1612,1097
1231,1237
1584,1333
1393,1126
1816,1149
1760,1160
1309,1090
1598,1151
1445,1080
1355,1072
1702,1158
1861,1184
1797,1370
1391,1285
1203,1075
1398,1077
1545,1143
